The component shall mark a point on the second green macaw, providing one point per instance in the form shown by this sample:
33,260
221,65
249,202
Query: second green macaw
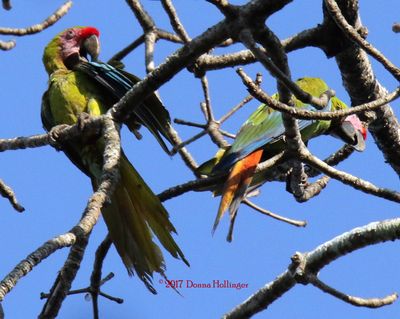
78,86
262,136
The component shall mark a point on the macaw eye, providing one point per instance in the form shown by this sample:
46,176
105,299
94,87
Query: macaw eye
70,34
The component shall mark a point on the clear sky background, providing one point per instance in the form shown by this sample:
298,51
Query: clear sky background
54,192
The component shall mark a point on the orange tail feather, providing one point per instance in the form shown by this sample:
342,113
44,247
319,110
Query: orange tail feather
235,187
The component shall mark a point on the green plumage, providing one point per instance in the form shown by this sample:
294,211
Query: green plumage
259,138
264,129
135,214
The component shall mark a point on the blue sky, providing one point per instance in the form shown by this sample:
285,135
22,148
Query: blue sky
54,192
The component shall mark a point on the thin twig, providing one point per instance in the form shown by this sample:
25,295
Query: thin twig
247,39
89,290
174,20
334,159
349,179
298,223
299,113
183,144
227,134
208,109
8,193
236,108
128,49
57,15
145,20
168,36
95,279
246,100
189,123
7,45
201,184
355,301
183,152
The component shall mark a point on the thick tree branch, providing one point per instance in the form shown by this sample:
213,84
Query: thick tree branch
350,32
362,86
313,261
108,180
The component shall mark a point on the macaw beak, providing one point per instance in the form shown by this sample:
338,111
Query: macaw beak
91,46
352,132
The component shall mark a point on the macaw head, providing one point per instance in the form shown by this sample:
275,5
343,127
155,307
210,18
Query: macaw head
71,46
352,132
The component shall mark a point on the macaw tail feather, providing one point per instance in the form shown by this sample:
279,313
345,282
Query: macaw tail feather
133,216
235,188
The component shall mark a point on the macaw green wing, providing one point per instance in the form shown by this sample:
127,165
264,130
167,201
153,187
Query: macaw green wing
151,113
262,128
265,126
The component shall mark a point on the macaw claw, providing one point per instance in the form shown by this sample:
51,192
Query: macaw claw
82,120
54,136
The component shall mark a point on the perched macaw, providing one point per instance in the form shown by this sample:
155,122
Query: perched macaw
76,85
262,136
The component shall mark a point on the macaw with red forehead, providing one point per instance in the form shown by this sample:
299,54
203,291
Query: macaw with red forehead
262,136
78,86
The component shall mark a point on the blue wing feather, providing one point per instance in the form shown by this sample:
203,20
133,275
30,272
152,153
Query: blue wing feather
118,84
253,136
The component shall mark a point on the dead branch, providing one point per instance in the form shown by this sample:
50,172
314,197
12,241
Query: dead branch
304,265
8,193
57,15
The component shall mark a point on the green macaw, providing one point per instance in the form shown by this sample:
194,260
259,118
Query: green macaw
77,86
262,136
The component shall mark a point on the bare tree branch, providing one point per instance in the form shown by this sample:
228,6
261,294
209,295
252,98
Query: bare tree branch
7,45
108,181
336,13
8,193
313,261
298,223
57,15
349,179
298,113
174,20
355,301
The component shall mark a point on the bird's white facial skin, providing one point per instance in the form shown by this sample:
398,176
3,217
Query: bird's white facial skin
360,132
76,44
